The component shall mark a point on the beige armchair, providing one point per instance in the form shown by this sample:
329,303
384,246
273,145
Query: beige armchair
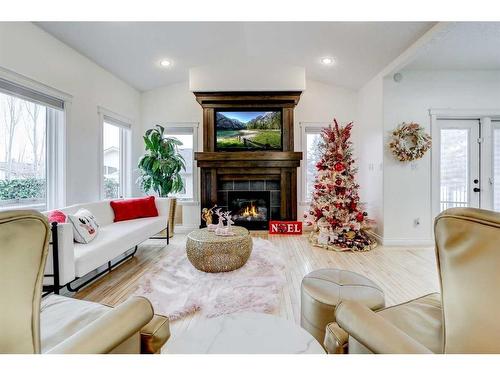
59,324
462,319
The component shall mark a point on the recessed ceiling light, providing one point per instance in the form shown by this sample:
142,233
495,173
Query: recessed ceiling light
165,63
327,61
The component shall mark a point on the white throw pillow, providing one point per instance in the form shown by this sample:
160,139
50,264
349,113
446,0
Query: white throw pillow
85,226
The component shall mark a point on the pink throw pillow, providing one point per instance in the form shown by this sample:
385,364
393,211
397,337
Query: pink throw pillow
56,216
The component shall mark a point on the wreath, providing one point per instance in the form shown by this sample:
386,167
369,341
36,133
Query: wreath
409,142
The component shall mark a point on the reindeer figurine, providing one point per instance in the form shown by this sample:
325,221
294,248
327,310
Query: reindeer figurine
229,221
220,223
225,231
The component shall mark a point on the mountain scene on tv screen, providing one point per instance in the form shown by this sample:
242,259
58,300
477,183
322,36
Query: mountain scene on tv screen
248,130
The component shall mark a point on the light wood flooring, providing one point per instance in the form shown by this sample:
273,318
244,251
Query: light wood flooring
403,273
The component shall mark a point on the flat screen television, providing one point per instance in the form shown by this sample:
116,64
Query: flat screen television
248,130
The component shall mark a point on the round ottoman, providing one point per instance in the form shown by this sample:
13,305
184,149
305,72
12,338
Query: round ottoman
211,253
322,290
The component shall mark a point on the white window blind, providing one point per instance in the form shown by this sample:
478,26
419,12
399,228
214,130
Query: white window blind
116,122
31,95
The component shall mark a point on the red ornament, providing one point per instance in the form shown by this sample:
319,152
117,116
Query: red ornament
360,217
333,222
339,167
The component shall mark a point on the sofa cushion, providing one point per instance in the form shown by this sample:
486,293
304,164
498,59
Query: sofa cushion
61,317
101,210
136,208
85,225
113,240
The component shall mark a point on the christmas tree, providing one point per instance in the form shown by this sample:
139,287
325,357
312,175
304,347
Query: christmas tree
336,213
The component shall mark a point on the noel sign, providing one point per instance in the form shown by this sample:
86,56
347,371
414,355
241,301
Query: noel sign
285,227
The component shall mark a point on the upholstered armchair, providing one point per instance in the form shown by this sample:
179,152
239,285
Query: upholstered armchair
462,319
59,324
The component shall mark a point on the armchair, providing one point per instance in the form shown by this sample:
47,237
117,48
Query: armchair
462,319
59,324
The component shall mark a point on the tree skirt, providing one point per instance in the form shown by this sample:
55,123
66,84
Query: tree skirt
176,288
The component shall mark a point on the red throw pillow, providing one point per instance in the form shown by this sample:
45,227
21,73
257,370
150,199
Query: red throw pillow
129,209
56,216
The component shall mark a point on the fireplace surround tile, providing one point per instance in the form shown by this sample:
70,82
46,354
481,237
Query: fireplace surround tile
227,185
275,198
257,185
272,185
241,185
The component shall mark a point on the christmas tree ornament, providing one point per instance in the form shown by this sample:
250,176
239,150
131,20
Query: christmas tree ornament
338,219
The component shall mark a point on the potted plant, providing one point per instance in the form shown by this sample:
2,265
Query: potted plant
160,167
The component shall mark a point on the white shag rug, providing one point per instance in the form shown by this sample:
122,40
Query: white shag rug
176,288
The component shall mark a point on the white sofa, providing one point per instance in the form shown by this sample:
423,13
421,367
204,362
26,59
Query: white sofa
114,239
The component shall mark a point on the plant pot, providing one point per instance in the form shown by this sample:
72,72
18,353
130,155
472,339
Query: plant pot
171,216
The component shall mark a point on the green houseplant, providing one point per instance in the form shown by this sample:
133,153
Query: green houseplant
161,165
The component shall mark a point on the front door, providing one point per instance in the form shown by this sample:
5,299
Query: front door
459,163
468,164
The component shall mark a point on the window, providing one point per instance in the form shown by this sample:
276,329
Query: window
186,133
311,139
30,148
115,154
496,165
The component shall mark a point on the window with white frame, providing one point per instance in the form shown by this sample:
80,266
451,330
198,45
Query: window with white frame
31,148
311,140
186,133
115,155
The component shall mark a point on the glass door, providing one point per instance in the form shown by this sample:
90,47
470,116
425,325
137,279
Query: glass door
495,179
459,163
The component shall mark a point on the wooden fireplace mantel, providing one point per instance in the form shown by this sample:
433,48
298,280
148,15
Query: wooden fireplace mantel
250,165
248,159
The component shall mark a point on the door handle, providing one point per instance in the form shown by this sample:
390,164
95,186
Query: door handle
476,190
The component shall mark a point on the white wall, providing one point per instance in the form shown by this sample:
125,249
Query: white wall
320,103
369,145
247,75
175,103
407,189
30,51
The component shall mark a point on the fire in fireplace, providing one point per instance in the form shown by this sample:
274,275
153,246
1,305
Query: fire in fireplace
250,209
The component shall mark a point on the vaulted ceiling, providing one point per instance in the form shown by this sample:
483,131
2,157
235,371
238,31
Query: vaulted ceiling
464,46
133,50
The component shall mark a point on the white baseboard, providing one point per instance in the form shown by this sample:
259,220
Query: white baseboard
185,228
377,236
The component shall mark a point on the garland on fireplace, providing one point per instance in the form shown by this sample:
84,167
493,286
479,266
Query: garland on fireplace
337,217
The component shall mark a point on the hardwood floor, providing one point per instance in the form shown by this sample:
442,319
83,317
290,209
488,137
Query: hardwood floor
402,273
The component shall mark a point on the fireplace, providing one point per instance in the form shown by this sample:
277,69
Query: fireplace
250,209
236,177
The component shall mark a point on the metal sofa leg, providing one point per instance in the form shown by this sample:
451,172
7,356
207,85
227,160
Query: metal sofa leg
110,267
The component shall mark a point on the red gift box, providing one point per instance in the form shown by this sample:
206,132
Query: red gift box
285,227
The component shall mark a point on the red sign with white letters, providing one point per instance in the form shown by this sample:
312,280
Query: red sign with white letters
285,227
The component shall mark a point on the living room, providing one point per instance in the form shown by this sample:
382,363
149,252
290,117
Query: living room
214,186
